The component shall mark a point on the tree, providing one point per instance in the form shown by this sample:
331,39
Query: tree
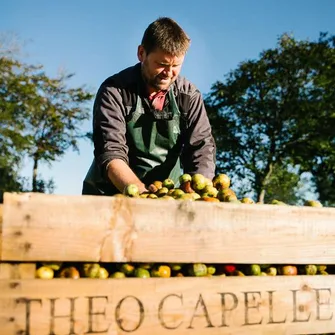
316,153
54,119
41,117
13,95
283,185
274,113
9,181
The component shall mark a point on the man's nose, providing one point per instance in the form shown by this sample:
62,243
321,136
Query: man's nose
168,71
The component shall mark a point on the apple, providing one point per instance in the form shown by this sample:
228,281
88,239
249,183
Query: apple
44,272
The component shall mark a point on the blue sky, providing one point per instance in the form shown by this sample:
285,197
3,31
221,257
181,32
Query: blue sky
95,39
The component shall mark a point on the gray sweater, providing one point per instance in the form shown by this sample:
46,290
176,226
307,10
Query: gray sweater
116,100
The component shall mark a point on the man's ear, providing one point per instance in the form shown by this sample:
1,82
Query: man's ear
140,53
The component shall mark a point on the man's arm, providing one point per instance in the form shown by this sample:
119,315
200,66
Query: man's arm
199,154
109,137
121,175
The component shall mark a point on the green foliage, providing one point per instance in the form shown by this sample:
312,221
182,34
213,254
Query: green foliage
274,110
41,117
283,185
14,95
45,186
9,181
324,177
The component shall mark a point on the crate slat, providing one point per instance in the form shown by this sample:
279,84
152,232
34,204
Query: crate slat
110,229
1,218
17,271
177,306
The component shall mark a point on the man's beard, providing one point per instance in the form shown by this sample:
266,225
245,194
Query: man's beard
154,82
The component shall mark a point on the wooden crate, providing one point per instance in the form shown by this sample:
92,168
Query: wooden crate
38,227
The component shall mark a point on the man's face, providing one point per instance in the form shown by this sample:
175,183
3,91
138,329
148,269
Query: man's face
159,69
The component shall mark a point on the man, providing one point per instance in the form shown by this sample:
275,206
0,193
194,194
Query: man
149,123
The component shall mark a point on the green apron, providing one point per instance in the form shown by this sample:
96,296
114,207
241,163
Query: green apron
154,150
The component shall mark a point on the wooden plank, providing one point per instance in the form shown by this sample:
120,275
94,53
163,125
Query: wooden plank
1,216
110,229
17,271
177,306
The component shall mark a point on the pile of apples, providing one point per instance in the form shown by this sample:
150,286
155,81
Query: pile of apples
51,270
197,188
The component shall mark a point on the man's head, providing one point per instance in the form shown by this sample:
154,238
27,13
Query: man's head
162,51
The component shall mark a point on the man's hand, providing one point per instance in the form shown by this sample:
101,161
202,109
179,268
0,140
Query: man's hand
121,175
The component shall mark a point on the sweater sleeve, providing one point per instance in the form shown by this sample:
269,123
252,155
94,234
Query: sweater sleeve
109,128
199,153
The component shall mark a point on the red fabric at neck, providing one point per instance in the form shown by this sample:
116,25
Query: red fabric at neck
157,100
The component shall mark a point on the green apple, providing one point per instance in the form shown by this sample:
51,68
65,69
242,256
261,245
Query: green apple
53,265
44,272
132,190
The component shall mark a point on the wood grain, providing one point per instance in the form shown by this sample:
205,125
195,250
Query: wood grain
1,218
110,229
177,306
17,270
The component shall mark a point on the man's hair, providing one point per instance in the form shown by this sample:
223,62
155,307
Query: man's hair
167,35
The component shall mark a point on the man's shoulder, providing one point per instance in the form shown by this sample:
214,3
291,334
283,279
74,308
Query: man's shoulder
185,86
185,92
123,79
